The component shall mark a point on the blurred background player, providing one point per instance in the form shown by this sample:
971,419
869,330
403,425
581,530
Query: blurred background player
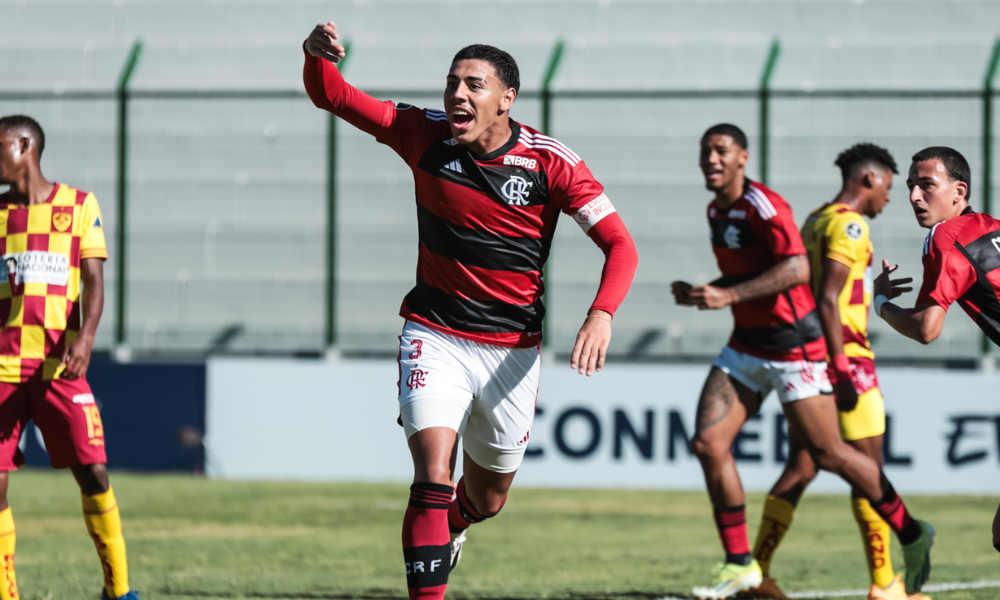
488,193
840,251
52,235
961,257
777,344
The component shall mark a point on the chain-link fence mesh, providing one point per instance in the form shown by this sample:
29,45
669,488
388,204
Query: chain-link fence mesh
228,196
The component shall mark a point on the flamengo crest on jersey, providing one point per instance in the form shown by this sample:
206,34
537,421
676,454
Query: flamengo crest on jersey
486,224
516,190
485,231
748,237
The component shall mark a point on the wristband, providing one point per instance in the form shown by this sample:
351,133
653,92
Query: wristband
842,364
879,301
601,317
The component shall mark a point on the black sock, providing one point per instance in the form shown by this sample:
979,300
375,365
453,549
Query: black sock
997,546
739,559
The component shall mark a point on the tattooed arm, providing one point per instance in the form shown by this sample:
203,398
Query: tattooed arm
788,273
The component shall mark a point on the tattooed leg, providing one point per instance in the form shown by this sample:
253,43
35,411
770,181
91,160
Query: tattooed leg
724,406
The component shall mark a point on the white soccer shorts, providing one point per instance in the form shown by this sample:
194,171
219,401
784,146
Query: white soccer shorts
484,392
793,380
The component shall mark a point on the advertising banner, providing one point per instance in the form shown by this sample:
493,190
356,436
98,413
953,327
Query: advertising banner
152,416
628,426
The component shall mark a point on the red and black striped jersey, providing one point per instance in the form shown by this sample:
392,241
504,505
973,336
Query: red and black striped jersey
962,264
485,221
749,237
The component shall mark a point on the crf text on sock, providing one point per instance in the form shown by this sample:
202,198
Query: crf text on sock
418,567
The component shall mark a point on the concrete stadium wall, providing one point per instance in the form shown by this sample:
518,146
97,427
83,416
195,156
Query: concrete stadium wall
625,427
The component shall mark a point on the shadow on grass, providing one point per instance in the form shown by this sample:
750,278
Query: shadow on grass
380,594
366,595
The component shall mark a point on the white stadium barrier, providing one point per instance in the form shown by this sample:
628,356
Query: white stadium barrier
625,427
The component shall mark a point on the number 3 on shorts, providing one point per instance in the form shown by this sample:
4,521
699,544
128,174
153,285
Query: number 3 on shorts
95,428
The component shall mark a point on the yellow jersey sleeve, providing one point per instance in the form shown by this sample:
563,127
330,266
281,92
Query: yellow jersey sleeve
847,239
92,244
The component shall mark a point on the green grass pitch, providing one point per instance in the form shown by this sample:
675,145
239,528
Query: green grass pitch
190,538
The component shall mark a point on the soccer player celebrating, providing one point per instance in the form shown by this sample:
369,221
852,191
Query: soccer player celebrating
488,193
837,243
52,243
777,344
961,257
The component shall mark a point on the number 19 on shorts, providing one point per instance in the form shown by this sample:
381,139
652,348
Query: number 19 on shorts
95,428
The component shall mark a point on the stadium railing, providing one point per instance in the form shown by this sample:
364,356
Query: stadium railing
314,326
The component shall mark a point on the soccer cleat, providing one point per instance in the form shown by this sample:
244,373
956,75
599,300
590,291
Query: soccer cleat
895,591
456,549
729,580
769,589
131,595
917,557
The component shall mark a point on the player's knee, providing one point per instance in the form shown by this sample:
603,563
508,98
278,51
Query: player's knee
492,504
829,459
706,447
92,479
486,502
804,472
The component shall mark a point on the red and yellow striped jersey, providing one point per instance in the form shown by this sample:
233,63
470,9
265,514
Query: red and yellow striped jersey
42,246
836,232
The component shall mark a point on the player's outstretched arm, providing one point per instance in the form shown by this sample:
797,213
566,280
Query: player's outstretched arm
77,356
922,323
328,90
790,272
831,282
620,263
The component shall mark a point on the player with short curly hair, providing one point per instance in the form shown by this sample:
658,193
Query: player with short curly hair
840,251
51,299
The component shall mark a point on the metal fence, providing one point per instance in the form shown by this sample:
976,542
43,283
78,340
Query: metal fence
249,221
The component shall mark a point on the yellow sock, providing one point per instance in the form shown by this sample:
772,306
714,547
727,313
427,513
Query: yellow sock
100,512
8,585
875,538
773,525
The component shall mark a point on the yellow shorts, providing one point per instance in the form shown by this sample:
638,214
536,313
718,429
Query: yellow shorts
866,420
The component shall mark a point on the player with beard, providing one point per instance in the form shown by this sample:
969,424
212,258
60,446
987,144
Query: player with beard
777,344
488,193
840,251
961,257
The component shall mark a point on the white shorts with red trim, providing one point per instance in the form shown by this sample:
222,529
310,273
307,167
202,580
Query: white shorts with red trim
486,393
793,380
